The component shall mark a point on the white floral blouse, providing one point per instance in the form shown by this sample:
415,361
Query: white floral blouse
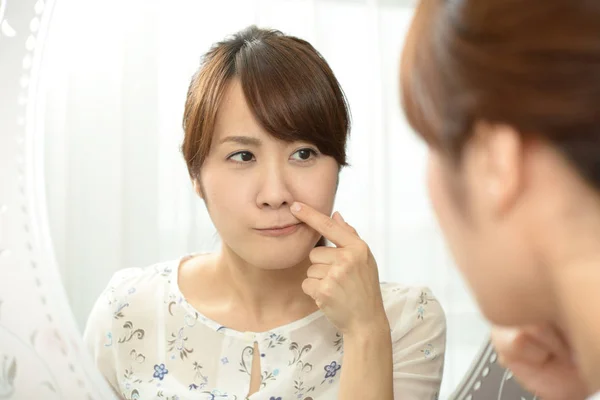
150,343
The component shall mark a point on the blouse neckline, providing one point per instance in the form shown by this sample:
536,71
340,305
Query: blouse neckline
285,329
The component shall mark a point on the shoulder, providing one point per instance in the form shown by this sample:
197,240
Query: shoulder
130,280
398,297
121,307
136,283
412,307
132,289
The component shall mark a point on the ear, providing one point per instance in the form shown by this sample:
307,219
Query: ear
198,188
502,162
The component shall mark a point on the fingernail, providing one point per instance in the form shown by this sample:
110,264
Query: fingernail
340,215
296,207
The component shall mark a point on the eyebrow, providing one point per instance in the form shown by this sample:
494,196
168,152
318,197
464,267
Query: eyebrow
245,140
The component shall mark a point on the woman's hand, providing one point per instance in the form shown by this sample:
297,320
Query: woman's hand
343,280
540,360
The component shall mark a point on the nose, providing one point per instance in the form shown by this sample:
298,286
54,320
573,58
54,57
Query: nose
274,189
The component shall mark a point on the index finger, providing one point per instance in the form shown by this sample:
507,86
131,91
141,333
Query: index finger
550,337
515,345
326,226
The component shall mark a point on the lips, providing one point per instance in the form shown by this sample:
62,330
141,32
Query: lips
277,231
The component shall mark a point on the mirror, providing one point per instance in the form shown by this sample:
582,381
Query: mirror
111,91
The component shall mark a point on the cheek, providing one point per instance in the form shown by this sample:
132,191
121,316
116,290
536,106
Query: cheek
437,189
317,187
474,248
450,217
225,192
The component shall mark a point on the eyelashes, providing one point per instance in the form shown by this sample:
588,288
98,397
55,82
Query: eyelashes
242,157
303,155
306,154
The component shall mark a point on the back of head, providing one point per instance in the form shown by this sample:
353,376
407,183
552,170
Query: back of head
289,87
532,64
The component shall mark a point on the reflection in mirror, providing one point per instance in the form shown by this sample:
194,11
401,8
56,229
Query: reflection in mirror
115,78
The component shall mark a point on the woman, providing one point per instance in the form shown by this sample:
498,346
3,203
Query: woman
507,95
274,314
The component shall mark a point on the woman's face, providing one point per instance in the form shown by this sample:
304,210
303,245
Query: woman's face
485,215
249,181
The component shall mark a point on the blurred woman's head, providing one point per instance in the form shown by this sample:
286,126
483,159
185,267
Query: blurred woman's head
266,124
506,94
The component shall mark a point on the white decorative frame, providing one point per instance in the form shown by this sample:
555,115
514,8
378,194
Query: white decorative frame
41,351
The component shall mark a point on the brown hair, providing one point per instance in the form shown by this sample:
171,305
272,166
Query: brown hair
289,87
534,65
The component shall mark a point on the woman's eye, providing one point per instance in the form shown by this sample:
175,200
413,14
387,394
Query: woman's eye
304,154
242,157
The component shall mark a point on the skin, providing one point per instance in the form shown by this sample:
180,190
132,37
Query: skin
344,283
524,229
251,181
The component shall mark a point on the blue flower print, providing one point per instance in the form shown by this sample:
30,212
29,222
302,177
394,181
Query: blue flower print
109,338
331,369
276,372
429,352
420,312
193,386
160,371
224,360
275,398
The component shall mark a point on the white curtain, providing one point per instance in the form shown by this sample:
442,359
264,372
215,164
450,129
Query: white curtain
115,78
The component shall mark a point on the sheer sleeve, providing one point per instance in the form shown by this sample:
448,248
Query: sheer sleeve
419,339
98,336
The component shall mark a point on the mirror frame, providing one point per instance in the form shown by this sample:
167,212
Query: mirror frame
26,250
41,350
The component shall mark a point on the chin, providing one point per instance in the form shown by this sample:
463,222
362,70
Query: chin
507,307
285,257
278,255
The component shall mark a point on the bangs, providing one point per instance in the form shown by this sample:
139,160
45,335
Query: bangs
288,86
294,95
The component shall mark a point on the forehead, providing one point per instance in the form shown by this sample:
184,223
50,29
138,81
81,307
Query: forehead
234,116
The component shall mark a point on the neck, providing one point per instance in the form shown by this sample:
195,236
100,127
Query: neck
577,291
263,293
573,258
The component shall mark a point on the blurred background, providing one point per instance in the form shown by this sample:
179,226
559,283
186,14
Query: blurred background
114,80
